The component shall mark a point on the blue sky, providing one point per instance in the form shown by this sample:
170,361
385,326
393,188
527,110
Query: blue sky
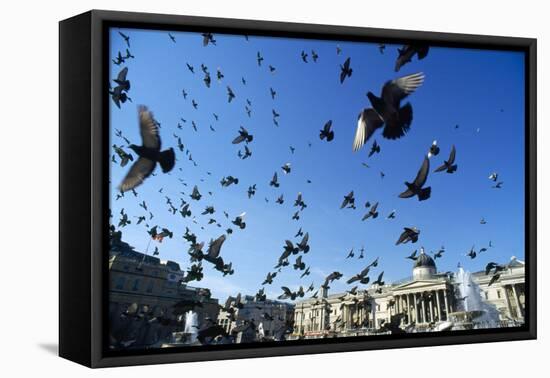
481,91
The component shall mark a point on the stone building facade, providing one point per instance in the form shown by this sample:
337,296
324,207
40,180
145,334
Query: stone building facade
423,300
273,316
153,290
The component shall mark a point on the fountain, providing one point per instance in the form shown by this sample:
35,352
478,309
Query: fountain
190,329
473,311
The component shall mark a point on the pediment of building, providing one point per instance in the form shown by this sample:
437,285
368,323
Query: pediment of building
420,285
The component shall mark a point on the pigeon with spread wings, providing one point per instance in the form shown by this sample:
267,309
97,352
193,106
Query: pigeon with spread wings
407,52
149,152
409,234
448,165
387,110
415,188
345,70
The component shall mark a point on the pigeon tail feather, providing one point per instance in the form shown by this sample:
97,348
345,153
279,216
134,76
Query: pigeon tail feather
425,193
167,160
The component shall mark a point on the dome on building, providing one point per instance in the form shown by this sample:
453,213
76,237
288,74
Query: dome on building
424,266
424,260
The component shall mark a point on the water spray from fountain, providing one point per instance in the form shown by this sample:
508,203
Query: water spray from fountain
191,323
475,309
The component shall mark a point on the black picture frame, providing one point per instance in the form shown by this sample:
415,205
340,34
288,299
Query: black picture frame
83,122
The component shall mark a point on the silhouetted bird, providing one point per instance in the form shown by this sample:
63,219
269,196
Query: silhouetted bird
412,256
330,278
407,52
122,81
239,221
314,56
126,38
243,136
387,110
361,276
149,152
269,278
326,132
349,201
303,244
208,38
494,279
230,94
434,149
379,281
375,149
300,202
410,234
273,181
251,191
196,194
415,188
286,168
449,165
345,70
372,212
259,59
119,96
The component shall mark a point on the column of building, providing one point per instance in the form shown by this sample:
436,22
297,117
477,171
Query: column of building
518,303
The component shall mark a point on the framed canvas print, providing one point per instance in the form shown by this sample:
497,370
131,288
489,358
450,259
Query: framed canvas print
233,188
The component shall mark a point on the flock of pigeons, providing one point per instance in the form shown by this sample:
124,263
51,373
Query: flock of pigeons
386,112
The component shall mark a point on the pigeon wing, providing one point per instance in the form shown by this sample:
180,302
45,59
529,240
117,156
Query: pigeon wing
396,90
140,170
452,155
215,247
305,239
148,129
122,75
422,174
402,238
367,123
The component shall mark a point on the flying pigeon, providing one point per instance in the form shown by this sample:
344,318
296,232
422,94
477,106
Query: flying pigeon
326,132
410,234
415,188
387,111
449,165
407,52
149,152
345,70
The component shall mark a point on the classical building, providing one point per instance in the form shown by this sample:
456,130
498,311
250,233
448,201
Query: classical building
421,301
152,288
269,316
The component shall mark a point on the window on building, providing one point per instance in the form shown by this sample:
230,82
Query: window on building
136,285
120,283
150,286
498,294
